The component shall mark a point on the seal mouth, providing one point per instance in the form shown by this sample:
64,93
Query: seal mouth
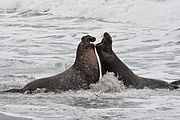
105,40
99,44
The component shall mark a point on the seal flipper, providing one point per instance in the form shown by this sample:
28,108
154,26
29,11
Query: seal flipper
14,91
175,82
154,83
174,86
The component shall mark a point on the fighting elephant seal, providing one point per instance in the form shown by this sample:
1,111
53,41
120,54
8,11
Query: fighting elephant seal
80,75
111,63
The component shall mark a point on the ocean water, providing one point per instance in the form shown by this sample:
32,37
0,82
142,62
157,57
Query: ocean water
39,38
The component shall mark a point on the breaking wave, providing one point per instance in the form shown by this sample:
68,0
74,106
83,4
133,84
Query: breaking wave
148,12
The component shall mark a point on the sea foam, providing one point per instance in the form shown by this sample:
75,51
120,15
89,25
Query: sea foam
108,83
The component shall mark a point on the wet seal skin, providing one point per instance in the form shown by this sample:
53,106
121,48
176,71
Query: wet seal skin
80,75
111,63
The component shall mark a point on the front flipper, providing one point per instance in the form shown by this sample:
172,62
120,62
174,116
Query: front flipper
14,91
153,83
175,82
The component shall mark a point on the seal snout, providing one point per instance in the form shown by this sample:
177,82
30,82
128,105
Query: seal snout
106,34
91,38
88,39
107,39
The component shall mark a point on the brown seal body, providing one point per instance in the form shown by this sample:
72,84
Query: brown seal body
111,63
80,75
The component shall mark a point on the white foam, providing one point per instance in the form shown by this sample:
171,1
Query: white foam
21,116
108,83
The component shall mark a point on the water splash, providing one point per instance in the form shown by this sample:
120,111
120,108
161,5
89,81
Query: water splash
108,83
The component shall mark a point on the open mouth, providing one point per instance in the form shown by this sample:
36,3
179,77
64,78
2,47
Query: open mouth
103,40
99,44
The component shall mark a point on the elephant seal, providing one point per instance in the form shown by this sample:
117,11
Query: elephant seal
111,63
80,75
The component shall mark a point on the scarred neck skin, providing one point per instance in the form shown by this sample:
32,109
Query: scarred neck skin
86,59
110,62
